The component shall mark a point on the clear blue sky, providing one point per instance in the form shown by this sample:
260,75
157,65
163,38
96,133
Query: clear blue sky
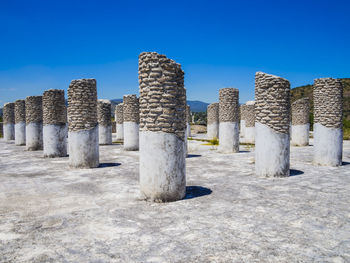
46,44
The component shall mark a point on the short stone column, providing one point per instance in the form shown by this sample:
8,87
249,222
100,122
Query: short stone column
162,128
328,126
104,114
272,121
55,124
229,120
119,121
213,121
300,122
34,123
242,117
20,122
188,121
249,135
131,122
82,123
9,121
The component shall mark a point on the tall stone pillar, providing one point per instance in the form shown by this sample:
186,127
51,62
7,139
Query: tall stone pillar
328,126
249,136
131,113
20,122
119,121
162,128
242,111
9,121
229,120
213,121
188,121
82,122
272,120
34,123
104,114
55,124
300,122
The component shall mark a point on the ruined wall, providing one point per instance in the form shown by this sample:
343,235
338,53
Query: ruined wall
104,112
328,102
162,94
20,111
242,112
54,108
250,115
82,104
213,113
131,109
300,111
272,102
9,113
119,113
34,109
228,105
188,114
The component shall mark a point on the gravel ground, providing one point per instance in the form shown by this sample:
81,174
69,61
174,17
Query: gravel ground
51,213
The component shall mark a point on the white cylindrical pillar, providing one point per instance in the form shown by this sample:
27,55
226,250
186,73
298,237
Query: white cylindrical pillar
249,136
104,115
162,128
119,121
300,122
131,122
20,122
242,116
229,120
54,120
213,121
34,123
82,121
328,122
272,121
9,121
188,121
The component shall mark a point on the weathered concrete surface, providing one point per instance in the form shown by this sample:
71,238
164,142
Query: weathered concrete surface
50,213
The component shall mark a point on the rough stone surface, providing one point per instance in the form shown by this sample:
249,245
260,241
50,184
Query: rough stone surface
20,111
272,102
131,109
250,115
188,114
119,113
104,112
9,113
82,104
162,94
328,102
52,214
54,108
228,105
34,109
213,113
301,111
242,112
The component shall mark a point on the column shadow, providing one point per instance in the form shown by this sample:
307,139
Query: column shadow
293,172
196,191
105,165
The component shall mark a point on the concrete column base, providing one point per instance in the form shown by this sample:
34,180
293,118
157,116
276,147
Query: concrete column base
84,148
249,136
9,131
131,136
55,140
162,166
213,130
328,145
229,137
272,151
105,135
120,131
20,133
188,130
300,135
242,129
34,136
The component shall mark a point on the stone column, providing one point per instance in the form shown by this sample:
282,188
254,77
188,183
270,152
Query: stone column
188,121
242,112
82,122
162,128
55,124
9,121
213,121
119,121
272,121
229,120
104,114
20,122
300,122
249,136
328,126
131,122
34,123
